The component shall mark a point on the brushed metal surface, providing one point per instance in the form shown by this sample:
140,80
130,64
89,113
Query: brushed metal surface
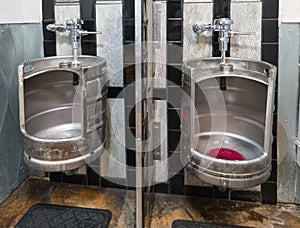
13,39
238,117
288,187
62,112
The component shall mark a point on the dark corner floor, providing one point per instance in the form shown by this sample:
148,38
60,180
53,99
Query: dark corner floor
166,208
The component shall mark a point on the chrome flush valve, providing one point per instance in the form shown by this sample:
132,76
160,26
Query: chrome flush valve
223,26
74,26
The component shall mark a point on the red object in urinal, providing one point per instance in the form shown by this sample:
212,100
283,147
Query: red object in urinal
225,154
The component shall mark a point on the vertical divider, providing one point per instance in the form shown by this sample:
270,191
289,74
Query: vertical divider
138,111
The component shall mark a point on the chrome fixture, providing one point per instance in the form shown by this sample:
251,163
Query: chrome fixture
223,26
74,26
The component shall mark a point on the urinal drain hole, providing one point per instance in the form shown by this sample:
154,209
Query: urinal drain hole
225,154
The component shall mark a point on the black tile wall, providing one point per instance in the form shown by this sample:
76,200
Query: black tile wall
174,55
130,140
130,116
273,177
173,140
56,177
269,192
129,73
270,29
74,179
49,37
270,9
89,25
177,184
130,96
87,9
174,119
162,188
113,183
128,9
129,30
130,157
270,54
48,9
49,48
93,177
174,76
88,47
131,178
174,60
252,196
129,78
221,193
174,9
176,164
174,94
201,191
115,92
274,149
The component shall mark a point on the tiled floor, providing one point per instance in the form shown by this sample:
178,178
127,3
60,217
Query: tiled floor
165,209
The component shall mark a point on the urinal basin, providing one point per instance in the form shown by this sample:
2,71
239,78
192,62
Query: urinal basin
228,107
62,112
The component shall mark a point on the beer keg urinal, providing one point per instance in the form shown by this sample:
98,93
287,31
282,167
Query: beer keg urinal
62,111
227,120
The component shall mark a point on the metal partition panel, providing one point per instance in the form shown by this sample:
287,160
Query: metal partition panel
138,111
288,98
143,107
18,43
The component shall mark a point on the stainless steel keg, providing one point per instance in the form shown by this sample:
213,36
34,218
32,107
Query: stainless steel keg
62,111
227,119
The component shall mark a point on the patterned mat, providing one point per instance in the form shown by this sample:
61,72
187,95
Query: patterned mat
49,215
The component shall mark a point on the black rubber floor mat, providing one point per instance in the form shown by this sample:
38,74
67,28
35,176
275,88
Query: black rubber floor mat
192,224
49,215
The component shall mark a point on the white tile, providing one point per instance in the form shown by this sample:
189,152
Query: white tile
247,17
160,47
110,43
113,161
194,45
65,12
